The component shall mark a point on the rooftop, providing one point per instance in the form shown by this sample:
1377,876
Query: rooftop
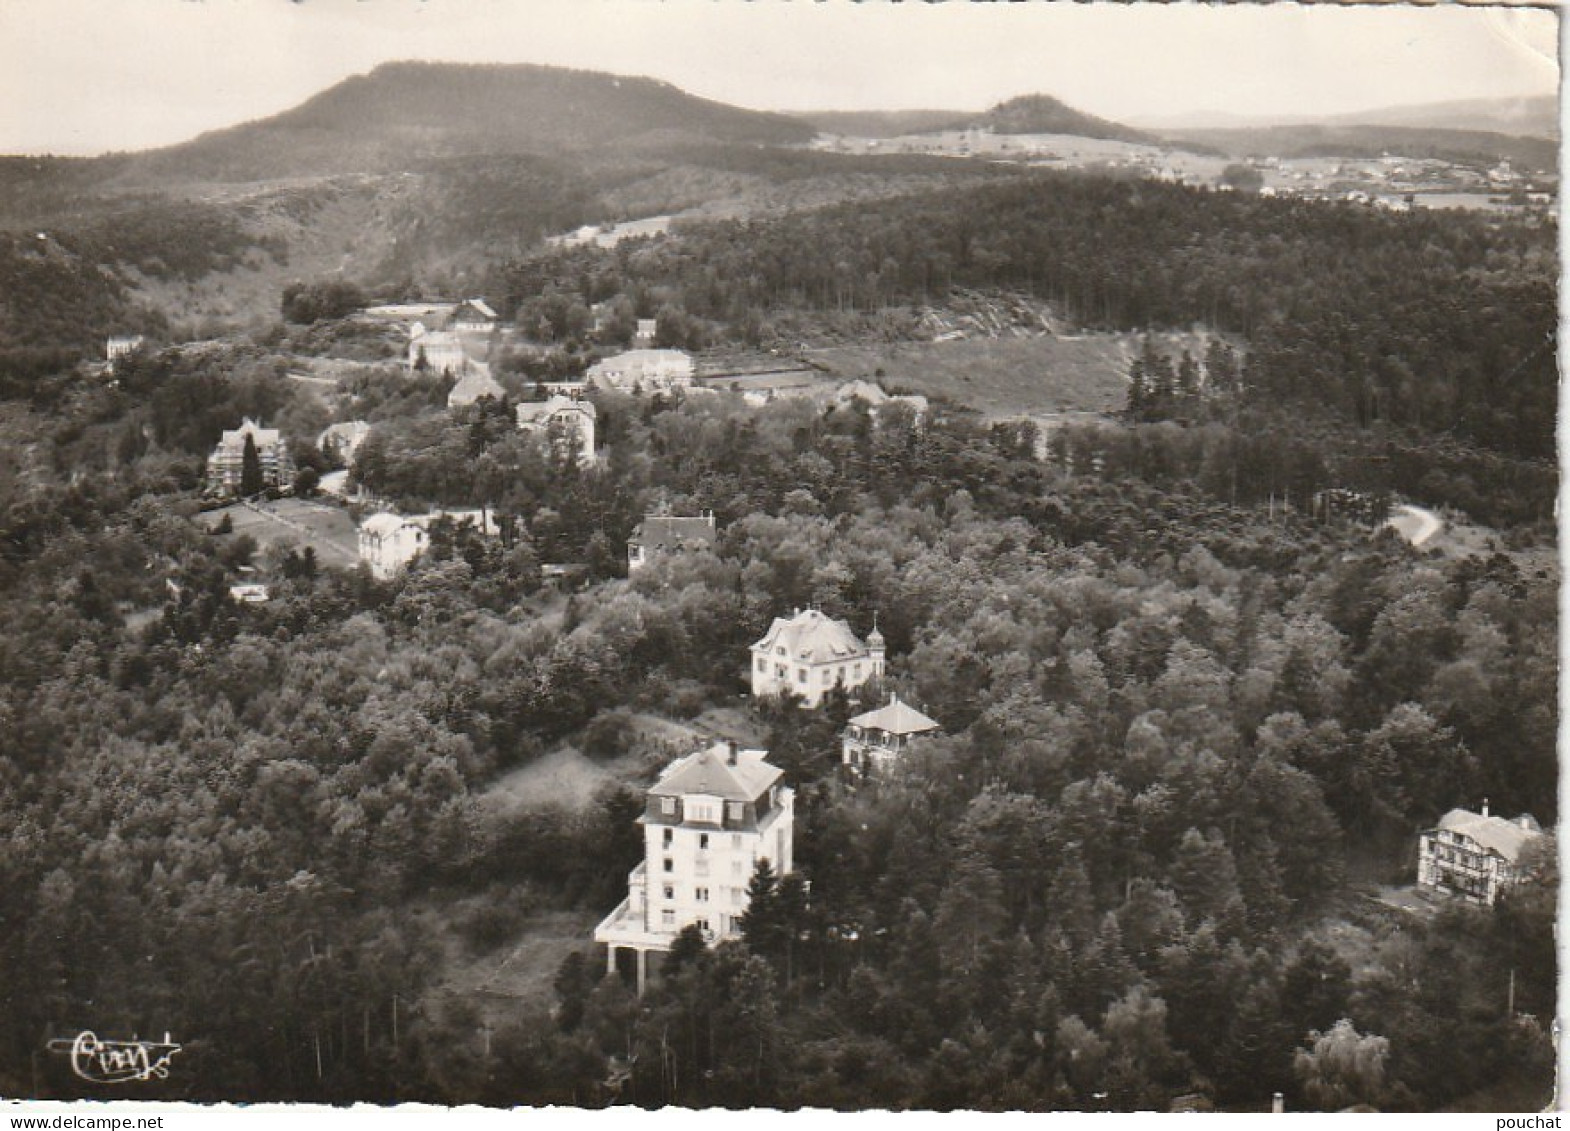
812,636
529,412
895,718
669,532
711,772
1507,838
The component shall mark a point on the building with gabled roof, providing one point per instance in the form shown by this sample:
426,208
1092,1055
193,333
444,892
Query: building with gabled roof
643,370
566,423
808,654
1474,855
707,821
874,739
226,465
473,316
661,534
388,542
475,384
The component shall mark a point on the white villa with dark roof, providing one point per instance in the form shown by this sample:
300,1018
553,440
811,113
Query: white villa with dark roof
708,820
1473,855
809,654
873,740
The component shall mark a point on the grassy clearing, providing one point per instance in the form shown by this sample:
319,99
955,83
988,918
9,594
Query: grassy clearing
506,982
294,524
1002,378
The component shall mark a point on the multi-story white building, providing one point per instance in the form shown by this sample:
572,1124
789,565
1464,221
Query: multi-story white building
875,739
808,654
1473,855
226,466
707,822
567,424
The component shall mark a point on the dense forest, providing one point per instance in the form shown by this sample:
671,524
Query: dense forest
1175,732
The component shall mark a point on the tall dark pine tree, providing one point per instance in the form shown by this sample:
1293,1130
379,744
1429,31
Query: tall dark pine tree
760,924
250,468
1138,394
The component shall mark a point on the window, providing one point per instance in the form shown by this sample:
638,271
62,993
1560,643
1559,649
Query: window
703,841
667,838
736,896
701,867
735,867
779,671
670,892
670,865
735,839
667,918
735,811
779,651
701,894
858,671
668,806
828,676
703,925
801,675
763,665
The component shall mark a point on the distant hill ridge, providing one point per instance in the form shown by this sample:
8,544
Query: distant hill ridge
1027,114
407,111
1043,114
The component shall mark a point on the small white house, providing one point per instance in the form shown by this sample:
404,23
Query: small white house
875,739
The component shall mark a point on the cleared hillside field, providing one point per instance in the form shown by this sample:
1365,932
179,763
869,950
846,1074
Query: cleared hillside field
1002,378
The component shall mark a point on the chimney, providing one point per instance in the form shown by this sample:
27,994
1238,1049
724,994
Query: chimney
730,748
1485,806
1278,1104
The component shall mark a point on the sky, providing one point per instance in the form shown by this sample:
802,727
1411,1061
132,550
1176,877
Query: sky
89,76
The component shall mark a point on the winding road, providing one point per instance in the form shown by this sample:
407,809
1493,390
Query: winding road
1416,524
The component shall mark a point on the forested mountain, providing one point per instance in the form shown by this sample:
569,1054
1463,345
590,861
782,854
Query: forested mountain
1027,114
1043,114
404,112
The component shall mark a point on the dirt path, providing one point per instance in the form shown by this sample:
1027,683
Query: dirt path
1416,524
